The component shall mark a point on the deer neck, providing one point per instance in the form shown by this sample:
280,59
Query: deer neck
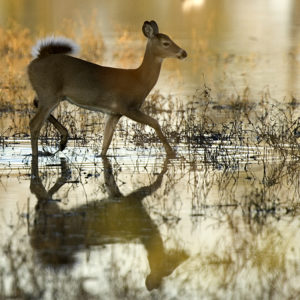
149,70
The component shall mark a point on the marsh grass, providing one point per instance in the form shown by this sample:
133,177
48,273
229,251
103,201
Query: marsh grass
198,122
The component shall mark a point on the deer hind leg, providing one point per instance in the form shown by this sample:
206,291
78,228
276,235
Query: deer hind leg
142,118
62,129
110,126
37,122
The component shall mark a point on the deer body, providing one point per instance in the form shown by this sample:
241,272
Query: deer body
94,89
56,76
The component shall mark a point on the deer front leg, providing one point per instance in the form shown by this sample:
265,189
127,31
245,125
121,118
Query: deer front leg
110,126
142,118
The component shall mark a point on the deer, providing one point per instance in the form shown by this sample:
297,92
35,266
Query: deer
56,75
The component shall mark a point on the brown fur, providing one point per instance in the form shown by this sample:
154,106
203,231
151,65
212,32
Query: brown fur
56,76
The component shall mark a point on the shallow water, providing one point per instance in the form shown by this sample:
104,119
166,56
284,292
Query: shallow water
221,221
138,226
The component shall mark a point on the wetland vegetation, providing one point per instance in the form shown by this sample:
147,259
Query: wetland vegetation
221,221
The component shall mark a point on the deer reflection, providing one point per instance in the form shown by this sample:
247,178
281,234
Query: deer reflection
57,234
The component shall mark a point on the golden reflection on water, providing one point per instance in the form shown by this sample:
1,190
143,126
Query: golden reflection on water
221,221
58,234
170,228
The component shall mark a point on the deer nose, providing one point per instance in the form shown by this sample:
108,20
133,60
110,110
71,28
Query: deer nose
182,54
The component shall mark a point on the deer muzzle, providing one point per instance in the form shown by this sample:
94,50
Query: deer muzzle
181,54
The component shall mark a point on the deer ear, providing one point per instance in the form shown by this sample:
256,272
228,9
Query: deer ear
154,26
148,30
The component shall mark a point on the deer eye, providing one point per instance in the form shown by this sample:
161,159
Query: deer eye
166,44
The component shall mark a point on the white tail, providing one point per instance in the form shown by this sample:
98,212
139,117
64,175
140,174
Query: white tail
54,45
56,76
